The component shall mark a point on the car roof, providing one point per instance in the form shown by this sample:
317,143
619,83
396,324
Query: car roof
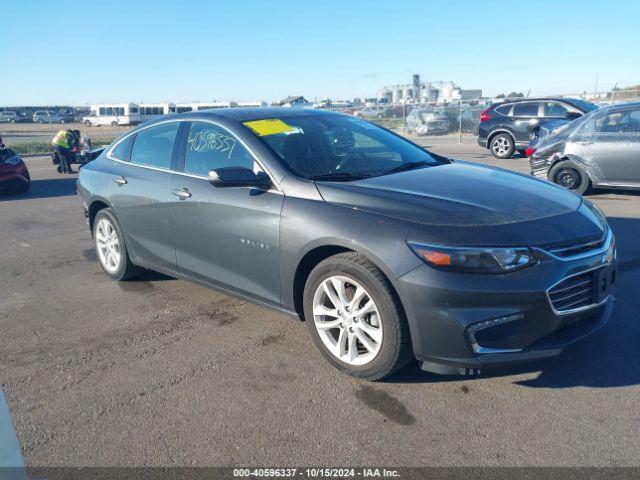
620,105
242,114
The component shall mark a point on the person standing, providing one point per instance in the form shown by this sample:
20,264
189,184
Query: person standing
63,142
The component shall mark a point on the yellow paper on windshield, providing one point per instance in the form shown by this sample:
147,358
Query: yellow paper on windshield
269,126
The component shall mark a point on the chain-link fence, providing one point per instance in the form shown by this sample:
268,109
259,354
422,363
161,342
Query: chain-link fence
31,132
28,134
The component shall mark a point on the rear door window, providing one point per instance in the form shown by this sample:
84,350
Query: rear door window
618,121
525,110
153,146
122,151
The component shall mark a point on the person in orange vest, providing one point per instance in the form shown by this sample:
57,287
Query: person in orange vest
63,142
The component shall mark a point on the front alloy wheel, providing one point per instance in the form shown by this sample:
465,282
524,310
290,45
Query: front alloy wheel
355,318
347,320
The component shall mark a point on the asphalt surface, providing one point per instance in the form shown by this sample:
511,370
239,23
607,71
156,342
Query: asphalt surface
163,372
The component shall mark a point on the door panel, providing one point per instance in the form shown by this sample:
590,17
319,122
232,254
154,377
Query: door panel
224,235
524,117
140,191
230,236
141,205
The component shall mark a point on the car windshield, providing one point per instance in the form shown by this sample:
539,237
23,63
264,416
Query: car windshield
338,147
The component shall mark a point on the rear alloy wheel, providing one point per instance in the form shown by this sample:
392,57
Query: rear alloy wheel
502,146
354,317
110,247
570,175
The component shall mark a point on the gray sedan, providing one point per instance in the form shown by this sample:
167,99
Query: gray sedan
599,150
387,251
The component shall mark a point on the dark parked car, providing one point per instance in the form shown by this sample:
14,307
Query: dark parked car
11,116
14,175
47,116
386,251
601,150
508,126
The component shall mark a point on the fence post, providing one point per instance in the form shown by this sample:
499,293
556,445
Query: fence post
460,122
404,119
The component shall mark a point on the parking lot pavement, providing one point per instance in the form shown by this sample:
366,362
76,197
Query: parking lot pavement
162,372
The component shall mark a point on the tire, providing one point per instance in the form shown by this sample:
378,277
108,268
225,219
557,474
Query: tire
114,124
570,175
502,146
87,123
387,331
104,226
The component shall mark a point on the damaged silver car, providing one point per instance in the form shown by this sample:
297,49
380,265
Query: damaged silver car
598,150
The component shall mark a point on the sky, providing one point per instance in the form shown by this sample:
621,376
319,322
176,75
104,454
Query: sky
81,52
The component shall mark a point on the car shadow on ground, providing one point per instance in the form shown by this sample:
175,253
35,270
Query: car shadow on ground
47,188
609,358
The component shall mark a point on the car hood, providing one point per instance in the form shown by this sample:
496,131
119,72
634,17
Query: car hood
464,195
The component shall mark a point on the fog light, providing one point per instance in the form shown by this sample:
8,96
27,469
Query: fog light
474,330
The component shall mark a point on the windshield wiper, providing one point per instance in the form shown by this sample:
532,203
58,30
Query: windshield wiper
342,176
406,166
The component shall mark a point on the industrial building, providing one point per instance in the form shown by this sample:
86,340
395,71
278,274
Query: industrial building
425,92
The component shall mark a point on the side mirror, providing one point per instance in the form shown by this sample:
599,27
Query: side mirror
572,115
238,177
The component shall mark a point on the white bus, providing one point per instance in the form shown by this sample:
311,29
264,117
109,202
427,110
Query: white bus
209,105
113,114
153,110
256,103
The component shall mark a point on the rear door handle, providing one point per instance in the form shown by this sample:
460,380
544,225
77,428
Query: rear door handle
182,193
120,180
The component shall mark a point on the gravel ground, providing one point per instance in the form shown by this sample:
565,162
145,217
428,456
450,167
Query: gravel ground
163,372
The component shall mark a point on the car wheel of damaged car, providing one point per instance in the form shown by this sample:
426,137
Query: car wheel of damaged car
354,318
111,249
502,146
570,175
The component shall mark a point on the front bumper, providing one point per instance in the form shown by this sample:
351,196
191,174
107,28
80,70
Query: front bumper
462,323
13,179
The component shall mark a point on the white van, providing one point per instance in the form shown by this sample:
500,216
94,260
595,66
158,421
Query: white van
154,110
113,114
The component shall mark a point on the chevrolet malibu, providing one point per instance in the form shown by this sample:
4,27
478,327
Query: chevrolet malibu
388,252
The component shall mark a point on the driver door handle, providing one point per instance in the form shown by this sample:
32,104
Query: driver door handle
181,193
120,180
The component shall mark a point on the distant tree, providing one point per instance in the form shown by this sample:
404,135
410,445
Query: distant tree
515,95
500,96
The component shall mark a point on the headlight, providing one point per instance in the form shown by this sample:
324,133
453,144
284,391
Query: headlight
475,260
596,210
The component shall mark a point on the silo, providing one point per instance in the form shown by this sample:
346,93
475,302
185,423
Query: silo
396,94
446,93
407,93
384,95
416,86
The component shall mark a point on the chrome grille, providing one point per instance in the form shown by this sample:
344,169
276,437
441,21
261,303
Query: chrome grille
574,292
569,250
